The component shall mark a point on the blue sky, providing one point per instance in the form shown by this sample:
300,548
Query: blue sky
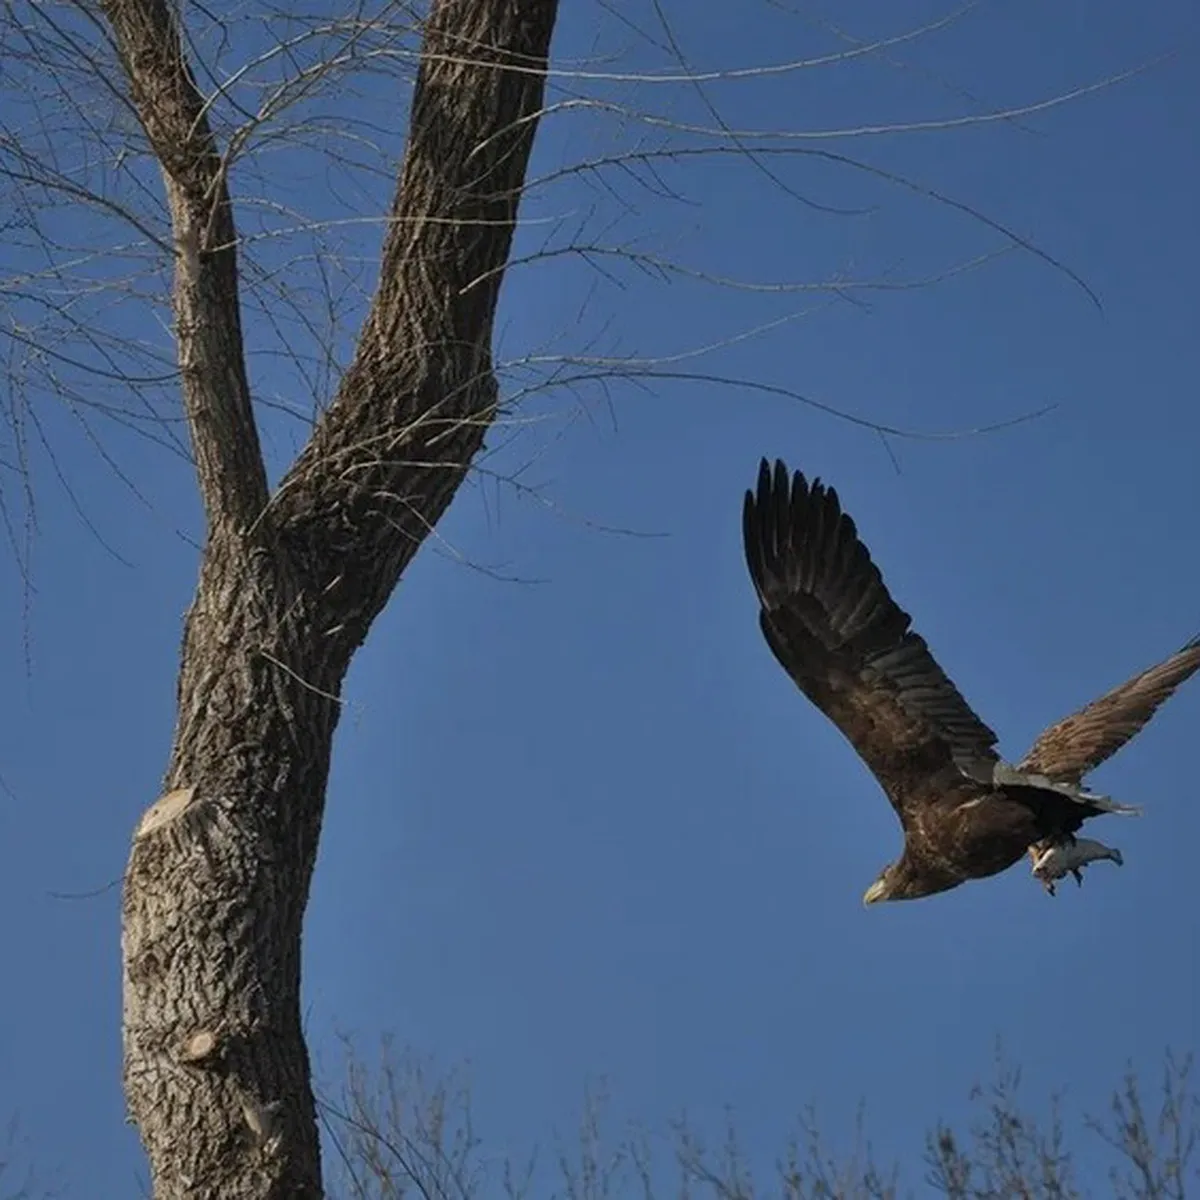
580,825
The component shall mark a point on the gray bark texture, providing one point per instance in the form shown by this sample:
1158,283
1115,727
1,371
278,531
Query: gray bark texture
216,1070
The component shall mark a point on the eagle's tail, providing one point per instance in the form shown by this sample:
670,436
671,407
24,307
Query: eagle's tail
1005,776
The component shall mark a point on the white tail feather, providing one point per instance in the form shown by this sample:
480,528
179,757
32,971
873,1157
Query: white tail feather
1005,776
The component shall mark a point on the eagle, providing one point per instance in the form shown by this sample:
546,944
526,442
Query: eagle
966,814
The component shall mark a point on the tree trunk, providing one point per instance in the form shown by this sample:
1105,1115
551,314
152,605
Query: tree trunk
216,1069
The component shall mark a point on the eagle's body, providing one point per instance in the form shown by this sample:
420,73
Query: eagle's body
828,618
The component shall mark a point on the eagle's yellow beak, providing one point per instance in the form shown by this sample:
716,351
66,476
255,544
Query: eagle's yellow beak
875,892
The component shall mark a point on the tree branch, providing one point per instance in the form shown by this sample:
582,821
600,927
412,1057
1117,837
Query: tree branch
415,404
208,329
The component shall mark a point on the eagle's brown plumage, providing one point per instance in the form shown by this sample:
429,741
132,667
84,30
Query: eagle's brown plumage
828,618
1081,742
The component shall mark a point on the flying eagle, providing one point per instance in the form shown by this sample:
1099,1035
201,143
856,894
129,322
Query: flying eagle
966,814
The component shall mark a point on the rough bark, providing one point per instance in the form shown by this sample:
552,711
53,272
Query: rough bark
216,1069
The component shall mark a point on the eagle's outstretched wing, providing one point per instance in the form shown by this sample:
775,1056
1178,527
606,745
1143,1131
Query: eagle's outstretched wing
830,622
1068,750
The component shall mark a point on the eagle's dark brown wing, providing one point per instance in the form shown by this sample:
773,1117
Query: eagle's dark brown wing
828,618
1074,746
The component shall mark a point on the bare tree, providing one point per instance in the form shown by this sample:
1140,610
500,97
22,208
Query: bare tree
291,578
401,1129
216,1070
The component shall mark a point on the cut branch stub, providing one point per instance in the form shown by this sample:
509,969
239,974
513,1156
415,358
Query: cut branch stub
200,1046
164,811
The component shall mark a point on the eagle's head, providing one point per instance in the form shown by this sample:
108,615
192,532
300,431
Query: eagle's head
902,881
883,888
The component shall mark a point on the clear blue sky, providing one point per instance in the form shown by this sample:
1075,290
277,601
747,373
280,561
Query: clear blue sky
581,825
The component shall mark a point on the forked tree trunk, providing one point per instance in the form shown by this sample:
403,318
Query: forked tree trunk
216,1069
